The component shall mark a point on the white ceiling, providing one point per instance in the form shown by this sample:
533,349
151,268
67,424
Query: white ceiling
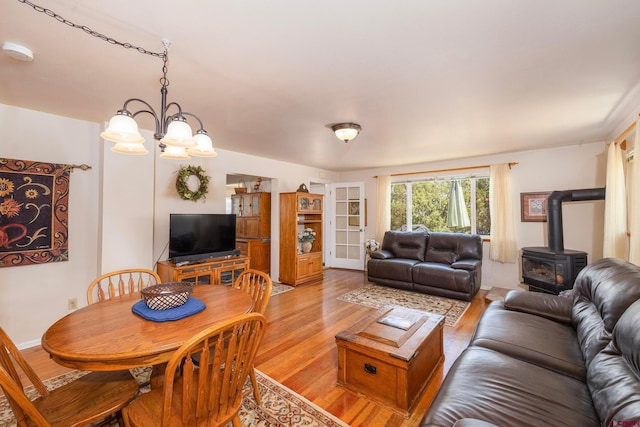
427,80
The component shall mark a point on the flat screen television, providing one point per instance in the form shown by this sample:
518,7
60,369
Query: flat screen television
197,237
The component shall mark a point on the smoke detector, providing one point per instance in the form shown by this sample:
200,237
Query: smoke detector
18,52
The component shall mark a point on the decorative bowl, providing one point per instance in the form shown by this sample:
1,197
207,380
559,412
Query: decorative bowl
167,295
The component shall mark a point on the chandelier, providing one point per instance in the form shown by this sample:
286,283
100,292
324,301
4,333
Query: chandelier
172,130
177,140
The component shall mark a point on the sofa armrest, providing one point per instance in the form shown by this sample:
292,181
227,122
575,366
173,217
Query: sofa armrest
382,254
545,305
472,422
466,264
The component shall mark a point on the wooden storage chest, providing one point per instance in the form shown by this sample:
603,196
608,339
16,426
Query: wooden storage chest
390,356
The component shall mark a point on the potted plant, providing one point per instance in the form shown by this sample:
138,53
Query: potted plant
371,245
306,238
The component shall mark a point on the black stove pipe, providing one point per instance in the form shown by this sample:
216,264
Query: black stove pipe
554,212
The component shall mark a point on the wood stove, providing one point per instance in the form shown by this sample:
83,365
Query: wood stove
552,272
554,269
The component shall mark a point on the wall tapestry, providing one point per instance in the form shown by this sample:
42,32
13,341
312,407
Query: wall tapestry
34,198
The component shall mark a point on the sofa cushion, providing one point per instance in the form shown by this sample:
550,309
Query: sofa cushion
602,292
406,244
550,306
531,338
491,386
442,276
397,269
447,248
614,373
381,254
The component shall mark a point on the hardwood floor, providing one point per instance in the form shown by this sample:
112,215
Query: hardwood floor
299,348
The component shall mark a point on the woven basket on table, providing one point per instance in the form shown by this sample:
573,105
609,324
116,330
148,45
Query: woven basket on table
167,295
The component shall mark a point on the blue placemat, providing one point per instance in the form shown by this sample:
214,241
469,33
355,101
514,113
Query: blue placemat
189,308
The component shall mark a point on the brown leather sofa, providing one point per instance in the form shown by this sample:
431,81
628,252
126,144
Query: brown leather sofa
545,360
444,264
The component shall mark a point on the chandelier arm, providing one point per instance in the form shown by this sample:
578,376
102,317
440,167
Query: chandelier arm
159,130
185,113
178,114
167,118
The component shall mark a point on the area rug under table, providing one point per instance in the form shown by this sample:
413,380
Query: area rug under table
279,288
376,296
280,405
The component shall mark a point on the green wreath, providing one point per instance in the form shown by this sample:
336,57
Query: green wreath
183,189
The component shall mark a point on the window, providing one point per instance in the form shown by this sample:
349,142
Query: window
432,203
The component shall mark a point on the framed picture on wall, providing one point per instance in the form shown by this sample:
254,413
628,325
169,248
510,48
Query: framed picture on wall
534,206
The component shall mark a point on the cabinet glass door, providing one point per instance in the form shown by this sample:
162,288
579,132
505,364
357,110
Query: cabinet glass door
246,205
255,205
235,205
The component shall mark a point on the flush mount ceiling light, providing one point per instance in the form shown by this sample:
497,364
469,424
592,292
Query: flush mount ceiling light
345,131
172,130
17,51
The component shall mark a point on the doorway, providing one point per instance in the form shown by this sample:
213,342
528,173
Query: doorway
348,220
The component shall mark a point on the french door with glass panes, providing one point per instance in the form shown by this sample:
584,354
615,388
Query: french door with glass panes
348,225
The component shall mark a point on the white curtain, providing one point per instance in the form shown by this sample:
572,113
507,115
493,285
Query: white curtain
383,208
616,244
634,201
503,229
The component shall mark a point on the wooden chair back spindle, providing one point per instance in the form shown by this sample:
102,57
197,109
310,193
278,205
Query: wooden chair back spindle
257,284
121,282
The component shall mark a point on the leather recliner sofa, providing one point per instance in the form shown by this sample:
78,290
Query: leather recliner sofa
545,360
443,264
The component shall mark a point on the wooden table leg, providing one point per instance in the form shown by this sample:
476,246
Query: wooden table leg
157,376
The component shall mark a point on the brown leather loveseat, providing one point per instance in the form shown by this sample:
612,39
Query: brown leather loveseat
546,360
443,264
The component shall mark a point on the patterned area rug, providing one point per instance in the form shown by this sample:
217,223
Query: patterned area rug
280,405
279,288
377,296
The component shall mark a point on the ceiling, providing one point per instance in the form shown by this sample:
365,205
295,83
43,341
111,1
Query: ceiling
427,80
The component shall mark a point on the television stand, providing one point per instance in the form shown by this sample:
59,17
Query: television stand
219,271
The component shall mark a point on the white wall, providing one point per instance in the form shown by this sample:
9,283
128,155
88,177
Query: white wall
33,297
126,207
566,168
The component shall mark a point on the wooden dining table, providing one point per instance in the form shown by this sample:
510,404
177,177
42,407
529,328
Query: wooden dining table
108,336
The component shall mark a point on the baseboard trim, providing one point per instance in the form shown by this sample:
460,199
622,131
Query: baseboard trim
28,344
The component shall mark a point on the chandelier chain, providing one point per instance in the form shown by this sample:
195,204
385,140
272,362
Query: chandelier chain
94,33
164,81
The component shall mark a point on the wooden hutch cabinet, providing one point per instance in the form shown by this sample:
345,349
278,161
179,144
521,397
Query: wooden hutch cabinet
253,228
221,271
297,212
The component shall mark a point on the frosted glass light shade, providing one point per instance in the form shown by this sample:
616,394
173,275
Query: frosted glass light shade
122,128
179,134
345,131
129,148
346,134
175,153
204,147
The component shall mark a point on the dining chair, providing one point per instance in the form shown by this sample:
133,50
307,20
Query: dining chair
92,397
209,394
121,282
257,284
